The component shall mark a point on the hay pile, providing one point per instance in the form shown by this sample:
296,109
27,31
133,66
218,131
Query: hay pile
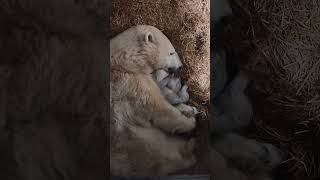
288,62
187,24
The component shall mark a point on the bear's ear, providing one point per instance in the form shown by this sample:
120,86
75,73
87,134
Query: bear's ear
148,37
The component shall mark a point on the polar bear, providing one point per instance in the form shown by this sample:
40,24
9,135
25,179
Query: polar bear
234,157
143,122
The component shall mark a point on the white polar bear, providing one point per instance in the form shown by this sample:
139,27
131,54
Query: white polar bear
234,157
142,120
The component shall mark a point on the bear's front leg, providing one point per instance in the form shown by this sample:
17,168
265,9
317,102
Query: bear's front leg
169,118
187,110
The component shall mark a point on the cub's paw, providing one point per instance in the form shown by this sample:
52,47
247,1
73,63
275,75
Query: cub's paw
159,75
163,83
171,96
174,84
187,110
183,94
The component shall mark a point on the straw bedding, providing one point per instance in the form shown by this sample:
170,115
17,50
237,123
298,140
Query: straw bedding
286,69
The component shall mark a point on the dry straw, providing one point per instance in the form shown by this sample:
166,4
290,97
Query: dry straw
290,59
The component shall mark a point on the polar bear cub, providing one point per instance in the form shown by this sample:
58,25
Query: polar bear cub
143,122
171,87
174,91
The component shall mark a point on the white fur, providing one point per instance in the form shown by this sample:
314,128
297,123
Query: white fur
236,158
171,87
176,94
143,124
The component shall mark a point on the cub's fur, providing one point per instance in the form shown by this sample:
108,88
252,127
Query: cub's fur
141,118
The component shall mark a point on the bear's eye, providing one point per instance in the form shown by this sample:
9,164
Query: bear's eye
171,53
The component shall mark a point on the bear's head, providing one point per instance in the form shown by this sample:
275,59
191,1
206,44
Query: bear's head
143,49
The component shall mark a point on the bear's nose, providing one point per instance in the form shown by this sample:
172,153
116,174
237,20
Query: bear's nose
175,71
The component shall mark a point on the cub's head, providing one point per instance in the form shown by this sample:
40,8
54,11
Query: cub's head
146,49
